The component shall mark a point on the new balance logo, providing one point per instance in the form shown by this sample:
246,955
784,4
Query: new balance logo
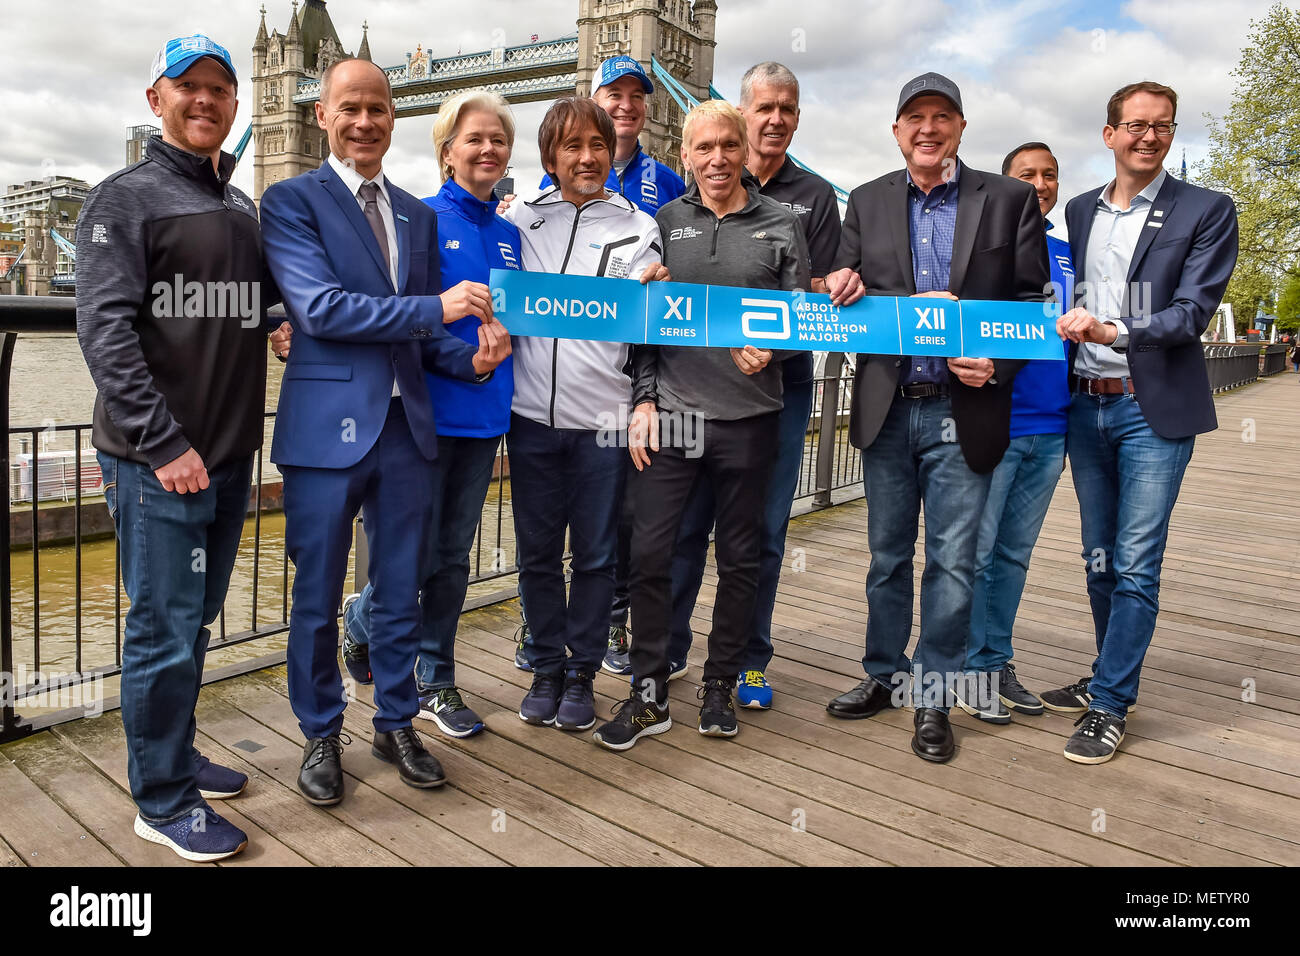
770,321
644,719
452,244
930,318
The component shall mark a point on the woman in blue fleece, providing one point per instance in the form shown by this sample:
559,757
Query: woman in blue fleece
472,138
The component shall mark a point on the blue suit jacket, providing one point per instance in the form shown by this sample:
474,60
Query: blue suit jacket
1179,272
352,334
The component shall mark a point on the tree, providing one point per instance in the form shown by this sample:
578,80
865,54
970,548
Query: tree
1255,158
1288,306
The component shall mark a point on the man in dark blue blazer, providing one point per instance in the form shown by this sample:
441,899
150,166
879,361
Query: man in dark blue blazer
1152,257
357,261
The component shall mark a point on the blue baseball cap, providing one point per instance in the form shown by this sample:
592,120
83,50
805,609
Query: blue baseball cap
617,67
180,54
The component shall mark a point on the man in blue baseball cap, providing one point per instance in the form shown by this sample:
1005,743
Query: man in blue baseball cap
178,418
180,54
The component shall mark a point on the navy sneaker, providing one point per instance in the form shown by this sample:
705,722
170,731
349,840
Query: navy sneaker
217,782
616,654
753,690
521,638
446,709
356,656
577,710
542,702
200,836
633,719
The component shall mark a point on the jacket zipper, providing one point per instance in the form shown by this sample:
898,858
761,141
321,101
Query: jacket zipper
555,343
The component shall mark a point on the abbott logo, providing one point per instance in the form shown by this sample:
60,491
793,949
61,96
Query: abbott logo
931,318
771,323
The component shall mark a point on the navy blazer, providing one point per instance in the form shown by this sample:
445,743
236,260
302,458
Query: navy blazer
1180,269
352,334
999,251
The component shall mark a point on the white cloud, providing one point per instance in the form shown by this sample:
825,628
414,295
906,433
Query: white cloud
74,72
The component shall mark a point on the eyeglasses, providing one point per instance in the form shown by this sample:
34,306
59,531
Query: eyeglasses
1139,128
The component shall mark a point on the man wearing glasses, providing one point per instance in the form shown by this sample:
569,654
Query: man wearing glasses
1154,255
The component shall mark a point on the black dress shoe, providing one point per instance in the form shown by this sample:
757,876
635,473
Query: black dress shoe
415,765
932,739
866,700
321,777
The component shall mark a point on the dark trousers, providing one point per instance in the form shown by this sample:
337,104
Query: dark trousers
392,487
735,461
565,479
692,550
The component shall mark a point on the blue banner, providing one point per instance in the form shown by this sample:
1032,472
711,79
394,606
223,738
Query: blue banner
677,313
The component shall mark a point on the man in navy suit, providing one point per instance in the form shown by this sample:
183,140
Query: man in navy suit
1154,256
357,261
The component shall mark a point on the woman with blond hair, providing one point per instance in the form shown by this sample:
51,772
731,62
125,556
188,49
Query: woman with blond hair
473,137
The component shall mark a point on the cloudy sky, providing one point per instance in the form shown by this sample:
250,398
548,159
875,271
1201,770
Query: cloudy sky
75,72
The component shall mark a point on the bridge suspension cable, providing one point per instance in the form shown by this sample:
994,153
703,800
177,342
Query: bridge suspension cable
685,100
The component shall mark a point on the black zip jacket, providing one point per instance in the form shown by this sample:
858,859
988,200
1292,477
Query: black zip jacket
172,295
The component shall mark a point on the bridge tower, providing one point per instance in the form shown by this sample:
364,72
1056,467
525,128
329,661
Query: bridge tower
286,139
679,33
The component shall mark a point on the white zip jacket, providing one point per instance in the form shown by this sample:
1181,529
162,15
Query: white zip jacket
577,383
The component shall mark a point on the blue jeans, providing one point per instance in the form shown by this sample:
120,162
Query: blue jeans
461,476
177,552
1019,495
691,551
561,478
1127,479
909,464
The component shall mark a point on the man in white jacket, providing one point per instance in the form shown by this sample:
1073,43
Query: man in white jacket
565,472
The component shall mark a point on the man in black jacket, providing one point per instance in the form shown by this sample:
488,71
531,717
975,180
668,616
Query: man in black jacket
171,317
942,230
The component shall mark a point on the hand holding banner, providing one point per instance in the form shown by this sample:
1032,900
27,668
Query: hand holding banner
678,313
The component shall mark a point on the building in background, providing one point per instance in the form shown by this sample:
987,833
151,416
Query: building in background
287,68
137,142
36,211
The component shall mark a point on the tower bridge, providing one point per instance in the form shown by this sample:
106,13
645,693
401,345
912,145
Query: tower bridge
676,34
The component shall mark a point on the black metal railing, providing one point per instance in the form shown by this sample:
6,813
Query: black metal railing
1273,360
54,480
1232,366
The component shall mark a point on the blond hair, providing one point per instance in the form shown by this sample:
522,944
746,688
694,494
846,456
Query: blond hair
444,127
718,110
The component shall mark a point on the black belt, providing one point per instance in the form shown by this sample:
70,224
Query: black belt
923,390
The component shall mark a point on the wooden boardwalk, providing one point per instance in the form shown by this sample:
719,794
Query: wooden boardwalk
1204,777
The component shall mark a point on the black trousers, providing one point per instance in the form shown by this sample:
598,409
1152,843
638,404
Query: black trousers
735,458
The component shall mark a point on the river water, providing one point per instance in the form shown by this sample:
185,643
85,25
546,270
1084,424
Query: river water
50,384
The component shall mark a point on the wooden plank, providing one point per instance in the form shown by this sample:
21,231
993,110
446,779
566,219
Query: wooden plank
457,810
102,743
902,815
90,798
368,827
40,831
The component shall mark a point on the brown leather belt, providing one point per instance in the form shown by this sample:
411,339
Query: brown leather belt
1102,386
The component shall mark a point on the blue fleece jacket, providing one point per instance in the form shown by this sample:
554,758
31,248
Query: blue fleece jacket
1040,396
474,240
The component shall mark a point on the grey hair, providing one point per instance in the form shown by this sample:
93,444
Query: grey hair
770,72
